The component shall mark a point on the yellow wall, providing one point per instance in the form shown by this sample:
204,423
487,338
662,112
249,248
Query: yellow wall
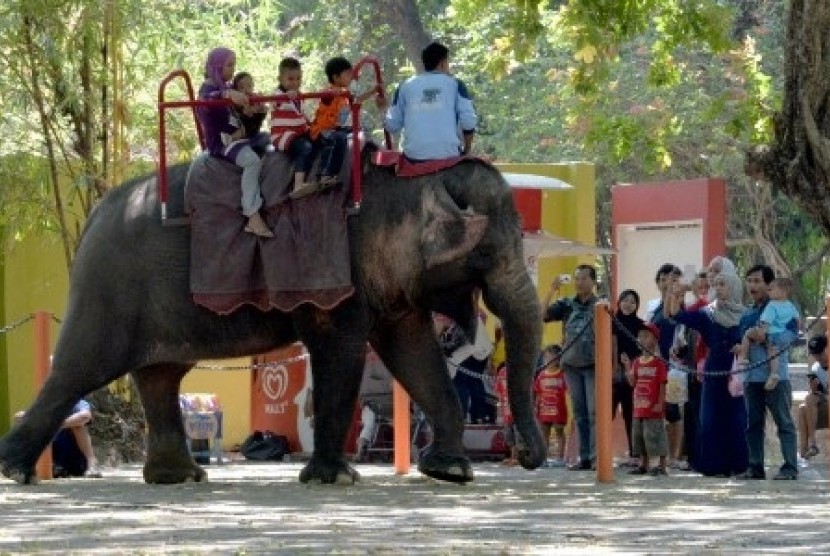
233,387
570,214
35,280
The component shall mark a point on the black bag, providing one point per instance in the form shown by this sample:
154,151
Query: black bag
264,446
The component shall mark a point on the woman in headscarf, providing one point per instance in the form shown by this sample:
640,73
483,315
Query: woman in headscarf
624,332
721,444
718,265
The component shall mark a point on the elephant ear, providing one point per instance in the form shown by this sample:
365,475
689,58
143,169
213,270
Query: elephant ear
448,233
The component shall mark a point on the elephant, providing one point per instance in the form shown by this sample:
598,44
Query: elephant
418,245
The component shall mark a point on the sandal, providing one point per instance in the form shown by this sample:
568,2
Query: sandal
328,182
304,190
639,470
257,226
811,452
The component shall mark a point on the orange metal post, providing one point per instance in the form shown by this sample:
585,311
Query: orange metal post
602,333
43,468
400,423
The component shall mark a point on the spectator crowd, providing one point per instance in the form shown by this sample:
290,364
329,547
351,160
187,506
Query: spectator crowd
696,376
696,370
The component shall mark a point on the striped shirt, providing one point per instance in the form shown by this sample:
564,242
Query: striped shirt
287,122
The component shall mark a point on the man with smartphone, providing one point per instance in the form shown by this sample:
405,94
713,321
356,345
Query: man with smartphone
577,359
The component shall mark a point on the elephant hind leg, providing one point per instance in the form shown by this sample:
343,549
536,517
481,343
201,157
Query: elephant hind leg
168,459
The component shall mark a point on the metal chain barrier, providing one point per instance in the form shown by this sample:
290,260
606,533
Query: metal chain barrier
688,370
23,320
18,323
481,376
485,376
253,366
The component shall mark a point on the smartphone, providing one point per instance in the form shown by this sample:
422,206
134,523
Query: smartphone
565,278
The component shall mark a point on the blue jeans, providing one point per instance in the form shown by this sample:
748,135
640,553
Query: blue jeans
302,151
581,388
778,401
332,152
260,143
251,164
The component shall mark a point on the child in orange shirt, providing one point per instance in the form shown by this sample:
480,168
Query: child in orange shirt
333,121
550,391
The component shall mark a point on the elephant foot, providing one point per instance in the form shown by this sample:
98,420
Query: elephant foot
20,475
329,472
456,469
530,460
531,455
167,473
17,471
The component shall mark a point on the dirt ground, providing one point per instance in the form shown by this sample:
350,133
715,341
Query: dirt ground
256,508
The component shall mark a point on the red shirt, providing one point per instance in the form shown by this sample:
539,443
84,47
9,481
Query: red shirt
287,123
550,389
501,392
649,375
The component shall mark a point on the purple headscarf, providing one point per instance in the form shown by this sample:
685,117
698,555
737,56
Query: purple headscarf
217,58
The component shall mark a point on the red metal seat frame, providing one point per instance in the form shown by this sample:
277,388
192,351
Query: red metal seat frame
164,105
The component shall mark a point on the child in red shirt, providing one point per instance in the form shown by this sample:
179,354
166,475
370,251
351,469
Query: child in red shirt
648,376
505,416
550,391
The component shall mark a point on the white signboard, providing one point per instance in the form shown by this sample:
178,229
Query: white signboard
642,248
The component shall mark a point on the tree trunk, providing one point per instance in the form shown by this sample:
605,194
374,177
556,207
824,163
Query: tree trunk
405,18
798,161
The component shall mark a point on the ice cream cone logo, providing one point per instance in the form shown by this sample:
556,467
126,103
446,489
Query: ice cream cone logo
275,381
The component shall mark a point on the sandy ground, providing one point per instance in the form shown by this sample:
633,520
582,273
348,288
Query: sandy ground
255,508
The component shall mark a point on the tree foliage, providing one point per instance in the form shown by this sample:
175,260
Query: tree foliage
654,89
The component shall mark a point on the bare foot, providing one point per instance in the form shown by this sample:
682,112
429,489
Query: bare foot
304,190
257,226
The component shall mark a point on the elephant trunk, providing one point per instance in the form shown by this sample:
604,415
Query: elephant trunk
512,298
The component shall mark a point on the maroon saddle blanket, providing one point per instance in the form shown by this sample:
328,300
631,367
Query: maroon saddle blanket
306,262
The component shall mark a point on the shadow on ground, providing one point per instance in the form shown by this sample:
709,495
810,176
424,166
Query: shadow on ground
262,508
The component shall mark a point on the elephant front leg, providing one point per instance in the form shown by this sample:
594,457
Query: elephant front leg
410,351
168,459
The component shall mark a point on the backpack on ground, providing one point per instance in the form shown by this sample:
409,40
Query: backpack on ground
264,446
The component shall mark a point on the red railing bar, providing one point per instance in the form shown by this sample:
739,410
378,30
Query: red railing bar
254,99
162,172
357,189
164,105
